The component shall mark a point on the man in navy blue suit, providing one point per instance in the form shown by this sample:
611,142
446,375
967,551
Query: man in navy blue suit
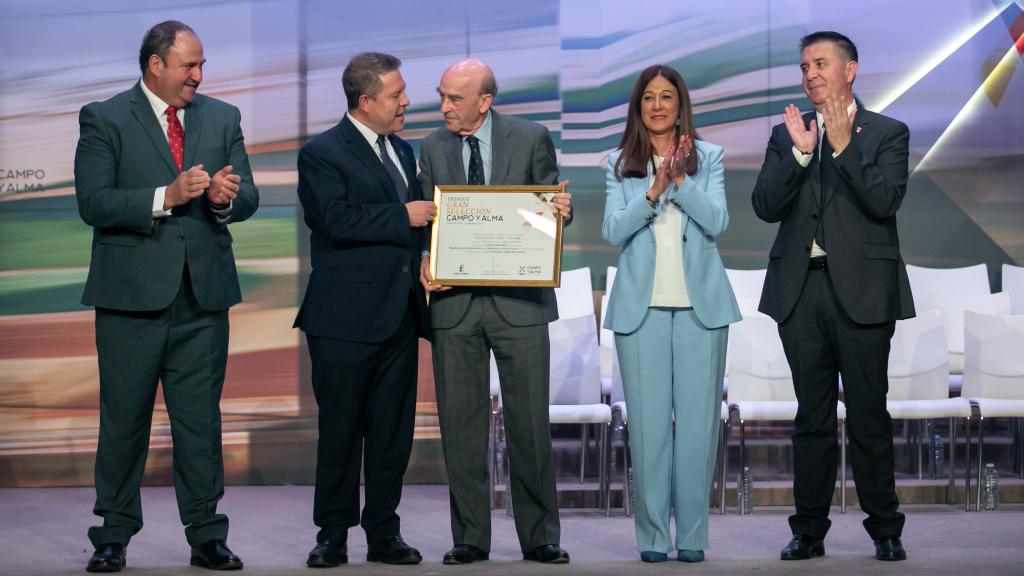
363,310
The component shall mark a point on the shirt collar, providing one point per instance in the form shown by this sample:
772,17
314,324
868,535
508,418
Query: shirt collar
366,131
483,133
159,106
821,118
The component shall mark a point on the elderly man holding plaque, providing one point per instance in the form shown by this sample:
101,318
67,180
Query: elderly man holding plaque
478,146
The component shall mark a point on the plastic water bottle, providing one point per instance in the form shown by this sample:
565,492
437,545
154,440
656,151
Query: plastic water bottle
990,487
745,492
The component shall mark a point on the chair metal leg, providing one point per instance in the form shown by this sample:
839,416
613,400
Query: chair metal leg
743,465
967,458
951,463
1020,448
723,474
921,446
981,461
584,444
602,465
842,482
627,463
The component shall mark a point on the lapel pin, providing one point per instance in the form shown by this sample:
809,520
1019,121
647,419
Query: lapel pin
858,129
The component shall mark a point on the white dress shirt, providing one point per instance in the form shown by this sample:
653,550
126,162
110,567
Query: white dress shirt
805,161
669,275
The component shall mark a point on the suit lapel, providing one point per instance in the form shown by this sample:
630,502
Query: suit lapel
501,145
193,130
365,154
407,166
143,113
453,158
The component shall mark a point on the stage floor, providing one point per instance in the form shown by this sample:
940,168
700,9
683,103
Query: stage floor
43,532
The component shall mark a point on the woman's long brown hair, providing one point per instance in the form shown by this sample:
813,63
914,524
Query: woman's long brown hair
636,147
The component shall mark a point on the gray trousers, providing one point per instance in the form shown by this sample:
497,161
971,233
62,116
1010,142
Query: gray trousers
461,370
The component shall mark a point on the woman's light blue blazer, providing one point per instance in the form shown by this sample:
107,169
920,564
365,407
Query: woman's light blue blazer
627,223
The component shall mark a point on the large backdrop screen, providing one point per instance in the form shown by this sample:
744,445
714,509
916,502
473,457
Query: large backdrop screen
948,68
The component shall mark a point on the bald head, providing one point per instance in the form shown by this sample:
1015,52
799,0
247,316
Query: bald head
467,91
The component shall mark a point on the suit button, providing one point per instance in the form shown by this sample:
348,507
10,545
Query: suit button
807,249
181,238
684,237
814,216
405,268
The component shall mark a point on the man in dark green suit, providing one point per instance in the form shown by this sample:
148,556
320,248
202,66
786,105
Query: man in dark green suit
162,278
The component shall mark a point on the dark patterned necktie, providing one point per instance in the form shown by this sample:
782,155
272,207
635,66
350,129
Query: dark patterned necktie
396,176
476,164
175,136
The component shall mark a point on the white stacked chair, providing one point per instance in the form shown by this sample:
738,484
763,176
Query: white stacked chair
607,340
747,285
1013,285
919,382
952,290
576,367
761,385
993,372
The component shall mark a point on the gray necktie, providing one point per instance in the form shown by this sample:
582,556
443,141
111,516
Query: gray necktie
396,176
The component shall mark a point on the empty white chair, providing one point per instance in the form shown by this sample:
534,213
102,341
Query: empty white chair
950,290
930,284
993,371
609,279
761,384
953,308
606,338
919,380
609,361
1013,285
746,285
576,366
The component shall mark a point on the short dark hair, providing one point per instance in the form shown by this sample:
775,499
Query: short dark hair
362,75
843,44
159,39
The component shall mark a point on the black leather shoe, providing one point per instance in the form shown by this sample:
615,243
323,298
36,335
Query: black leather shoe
890,549
548,554
107,558
803,547
465,554
215,555
393,550
327,554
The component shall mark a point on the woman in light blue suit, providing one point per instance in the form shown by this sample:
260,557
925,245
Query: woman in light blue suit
670,309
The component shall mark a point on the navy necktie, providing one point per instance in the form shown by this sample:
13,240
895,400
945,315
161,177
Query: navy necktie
476,164
396,176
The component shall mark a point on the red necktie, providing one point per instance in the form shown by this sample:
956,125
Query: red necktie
175,136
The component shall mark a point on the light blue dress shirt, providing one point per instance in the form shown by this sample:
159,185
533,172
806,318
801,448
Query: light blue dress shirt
483,134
